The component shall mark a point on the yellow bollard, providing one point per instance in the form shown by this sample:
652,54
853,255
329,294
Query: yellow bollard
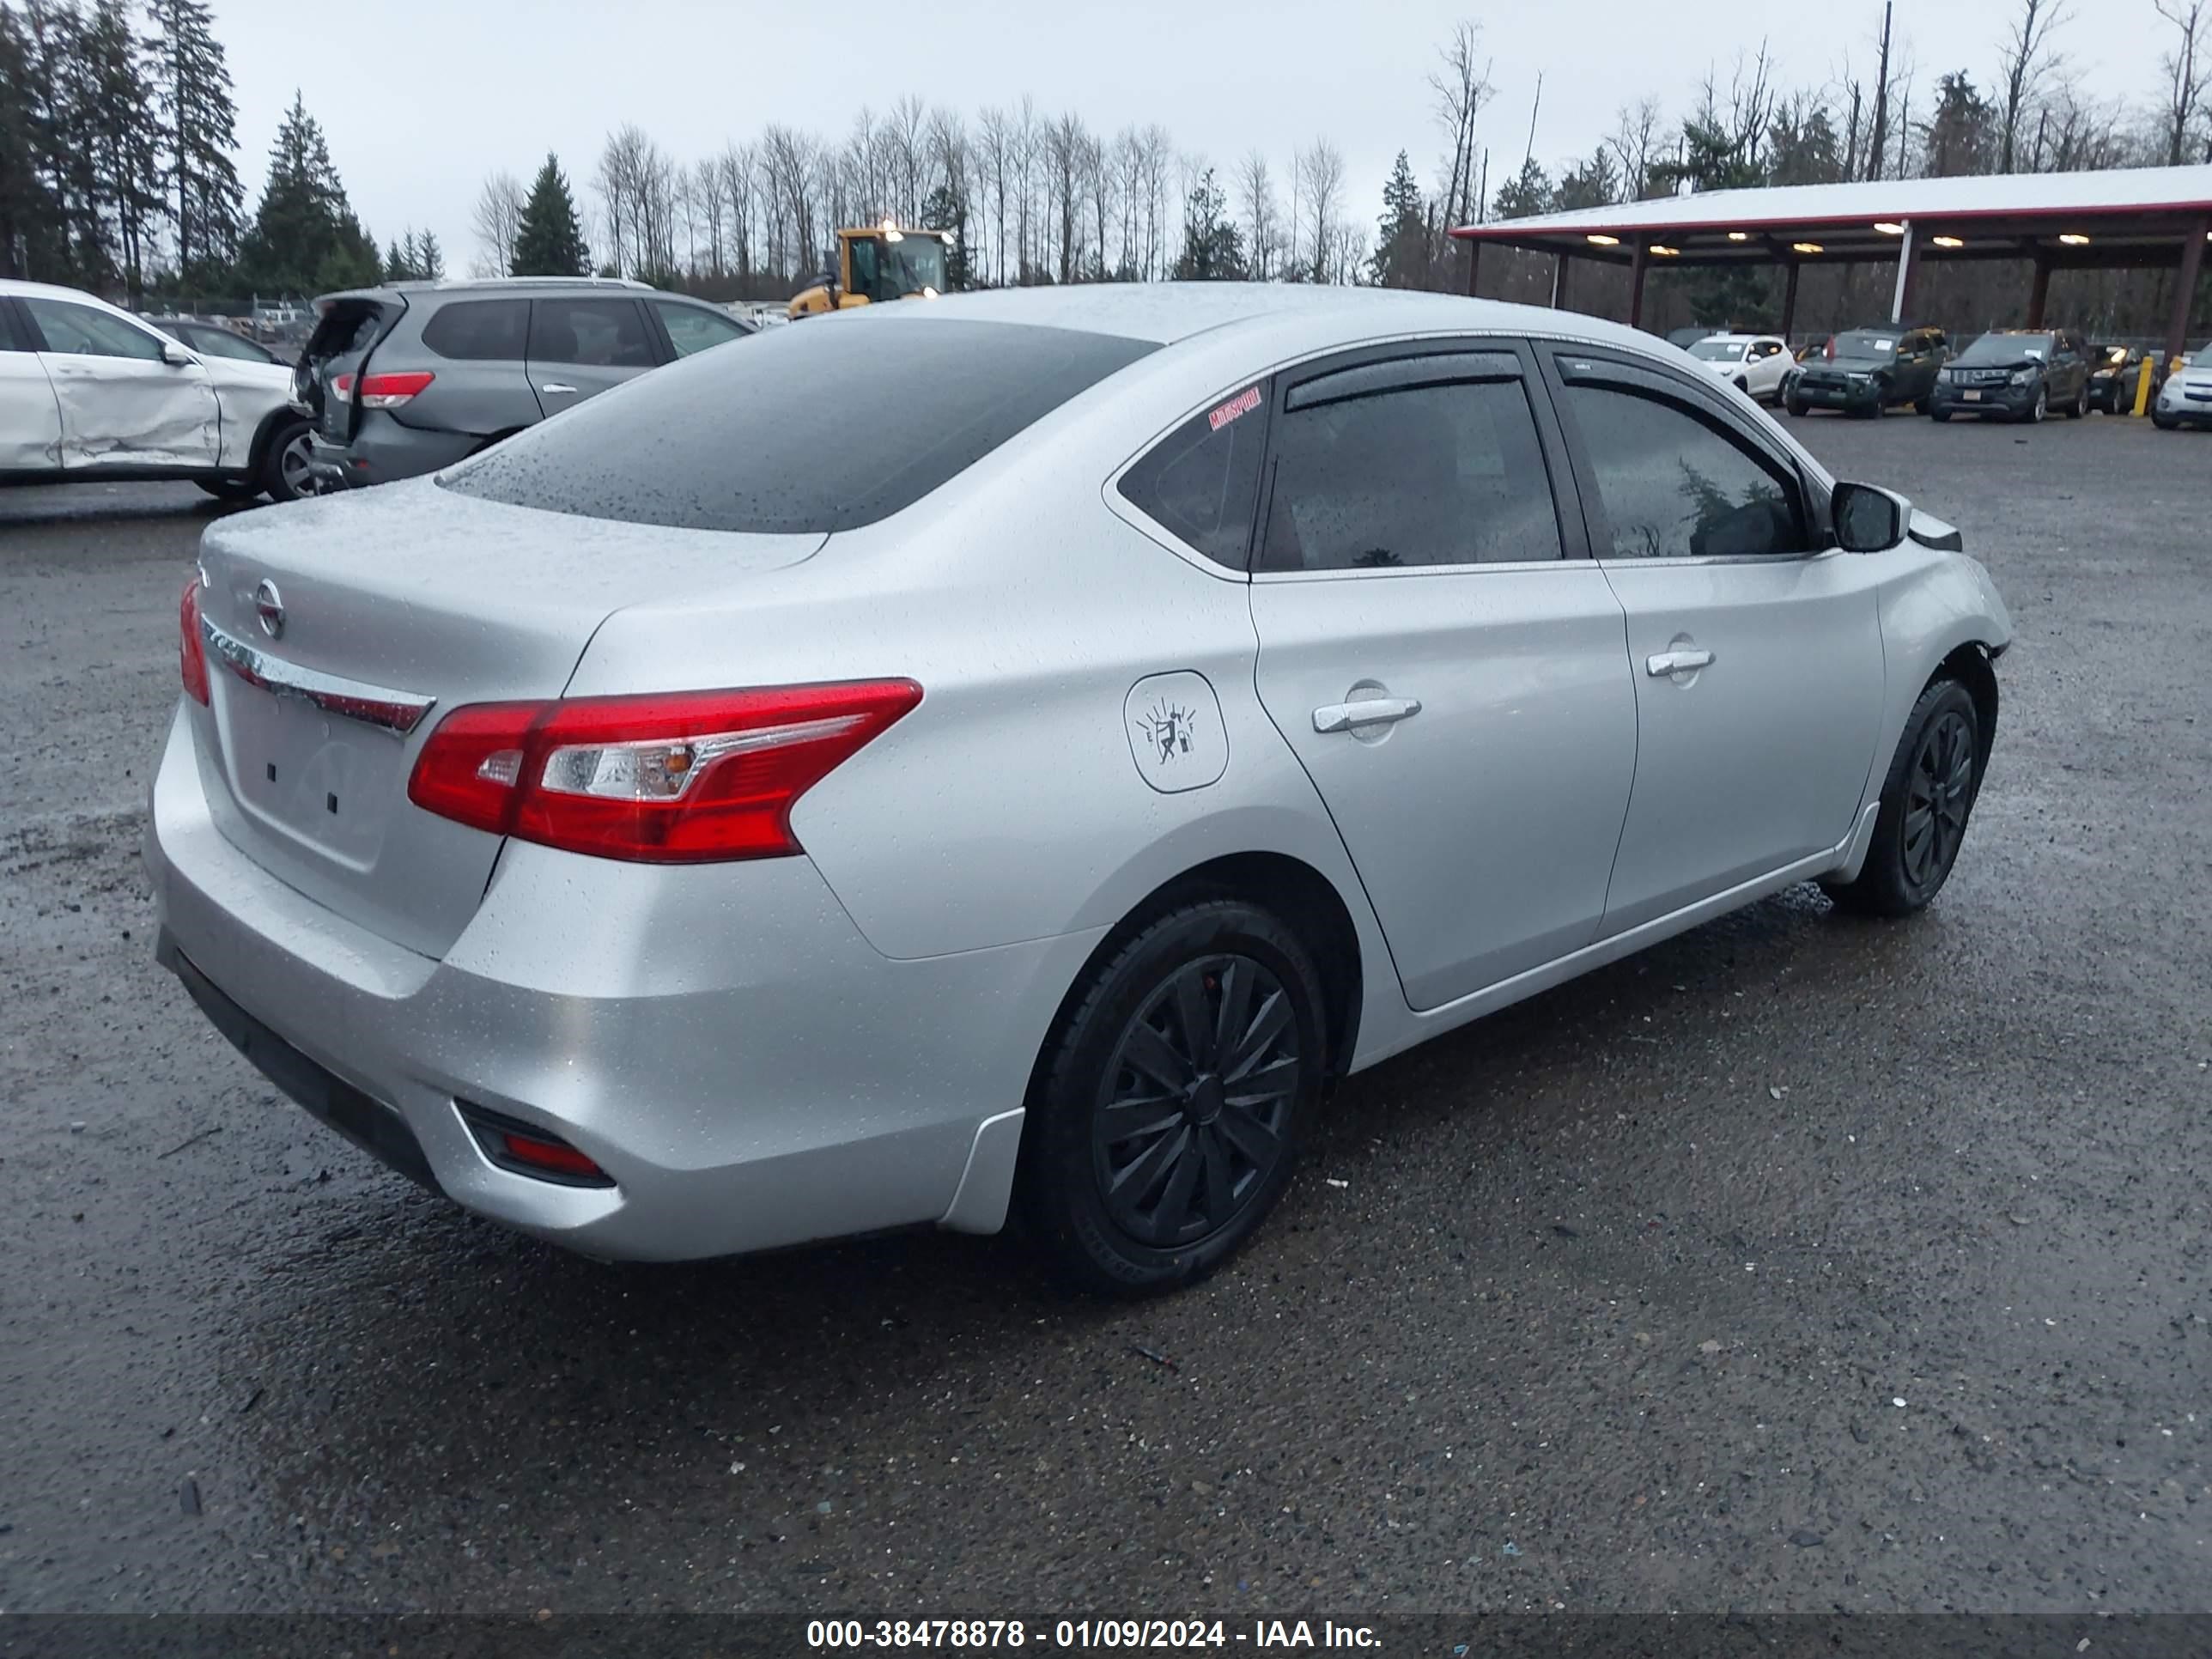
2142,388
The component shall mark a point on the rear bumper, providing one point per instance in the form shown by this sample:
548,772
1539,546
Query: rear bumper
383,450
750,1072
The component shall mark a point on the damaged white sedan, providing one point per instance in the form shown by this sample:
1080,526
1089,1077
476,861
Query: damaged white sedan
89,392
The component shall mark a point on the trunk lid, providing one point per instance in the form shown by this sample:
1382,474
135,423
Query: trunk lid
347,329
342,629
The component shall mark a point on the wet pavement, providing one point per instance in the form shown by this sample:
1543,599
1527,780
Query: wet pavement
1800,1263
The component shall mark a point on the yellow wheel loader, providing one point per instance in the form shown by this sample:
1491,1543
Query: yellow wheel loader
877,262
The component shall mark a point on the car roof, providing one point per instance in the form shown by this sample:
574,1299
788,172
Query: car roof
1168,313
16,289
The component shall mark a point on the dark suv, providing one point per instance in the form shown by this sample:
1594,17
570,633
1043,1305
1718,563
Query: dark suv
2017,373
408,378
1863,371
2115,372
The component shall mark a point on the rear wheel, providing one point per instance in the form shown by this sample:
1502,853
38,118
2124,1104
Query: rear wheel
1925,803
286,470
1167,1105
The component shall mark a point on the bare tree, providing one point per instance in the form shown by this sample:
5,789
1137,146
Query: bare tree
1878,136
734,176
2026,60
1064,142
1261,215
1321,170
1461,87
1636,145
498,215
995,152
905,137
789,162
2184,73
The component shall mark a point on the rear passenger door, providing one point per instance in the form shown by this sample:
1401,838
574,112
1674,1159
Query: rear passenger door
475,350
581,347
1754,648
1443,663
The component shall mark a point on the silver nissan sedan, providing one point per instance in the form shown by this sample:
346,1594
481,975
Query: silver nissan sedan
1006,758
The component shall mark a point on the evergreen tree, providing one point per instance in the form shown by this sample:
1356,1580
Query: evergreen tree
1962,134
26,210
947,209
123,141
1401,243
1527,192
1212,248
304,238
1588,184
69,243
551,240
199,122
429,258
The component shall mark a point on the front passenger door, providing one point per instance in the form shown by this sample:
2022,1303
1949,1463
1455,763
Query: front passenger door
122,403
1449,679
581,347
1756,656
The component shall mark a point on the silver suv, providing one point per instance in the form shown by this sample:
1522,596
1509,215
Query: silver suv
410,377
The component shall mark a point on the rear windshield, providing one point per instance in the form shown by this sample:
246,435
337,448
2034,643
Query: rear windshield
822,425
347,326
1718,351
2008,348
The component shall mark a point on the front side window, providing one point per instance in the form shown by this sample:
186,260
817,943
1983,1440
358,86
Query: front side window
479,331
1449,474
222,343
1201,482
694,328
590,333
1672,487
85,332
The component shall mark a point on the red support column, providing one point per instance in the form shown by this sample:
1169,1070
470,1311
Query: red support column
1474,264
1790,300
2185,291
1635,289
1558,282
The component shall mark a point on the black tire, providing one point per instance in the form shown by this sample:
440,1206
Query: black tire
2162,420
1795,406
1192,1148
1935,412
2081,404
1938,762
1921,406
2039,408
284,477
230,489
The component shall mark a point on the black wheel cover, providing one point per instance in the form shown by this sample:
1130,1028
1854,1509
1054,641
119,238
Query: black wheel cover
1939,793
1193,1114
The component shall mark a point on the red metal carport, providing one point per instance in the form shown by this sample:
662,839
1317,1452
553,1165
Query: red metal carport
2133,218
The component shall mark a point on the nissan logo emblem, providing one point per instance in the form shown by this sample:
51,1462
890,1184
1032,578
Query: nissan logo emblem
269,605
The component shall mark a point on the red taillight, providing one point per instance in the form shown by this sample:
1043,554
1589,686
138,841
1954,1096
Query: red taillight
380,391
514,1145
687,777
192,650
550,1155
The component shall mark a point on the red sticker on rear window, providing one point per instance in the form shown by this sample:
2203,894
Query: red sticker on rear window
1242,404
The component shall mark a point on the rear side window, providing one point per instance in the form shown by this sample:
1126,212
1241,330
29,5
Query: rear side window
1433,475
8,340
1201,483
823,425
694,328
590,333
479,331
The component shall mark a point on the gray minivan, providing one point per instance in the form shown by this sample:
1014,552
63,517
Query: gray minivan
409,376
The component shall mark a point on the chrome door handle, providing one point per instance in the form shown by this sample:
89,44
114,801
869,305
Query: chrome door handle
555,388
1661,664
1368,711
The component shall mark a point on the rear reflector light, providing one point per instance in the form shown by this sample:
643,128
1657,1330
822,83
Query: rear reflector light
380,391
191,649
686,777
526,1150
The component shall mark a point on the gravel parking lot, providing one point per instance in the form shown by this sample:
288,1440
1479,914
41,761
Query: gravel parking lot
1803,1263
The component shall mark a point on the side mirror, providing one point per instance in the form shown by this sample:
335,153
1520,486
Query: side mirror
1868,520
176,357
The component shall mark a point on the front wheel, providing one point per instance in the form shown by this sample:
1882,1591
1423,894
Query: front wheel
1925,803
1167,1104
1795,405
1937,412
2081,404
2040,408
2162,420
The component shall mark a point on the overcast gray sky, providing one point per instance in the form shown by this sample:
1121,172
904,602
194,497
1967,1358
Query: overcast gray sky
422,98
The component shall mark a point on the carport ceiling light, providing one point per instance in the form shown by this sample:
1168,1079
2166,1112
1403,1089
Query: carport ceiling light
1949,242
1663,251
1889,227
1807,247
1598,238
2074,238
1739,236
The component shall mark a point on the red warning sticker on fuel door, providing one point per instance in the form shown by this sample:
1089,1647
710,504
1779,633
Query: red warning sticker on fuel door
1242,404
